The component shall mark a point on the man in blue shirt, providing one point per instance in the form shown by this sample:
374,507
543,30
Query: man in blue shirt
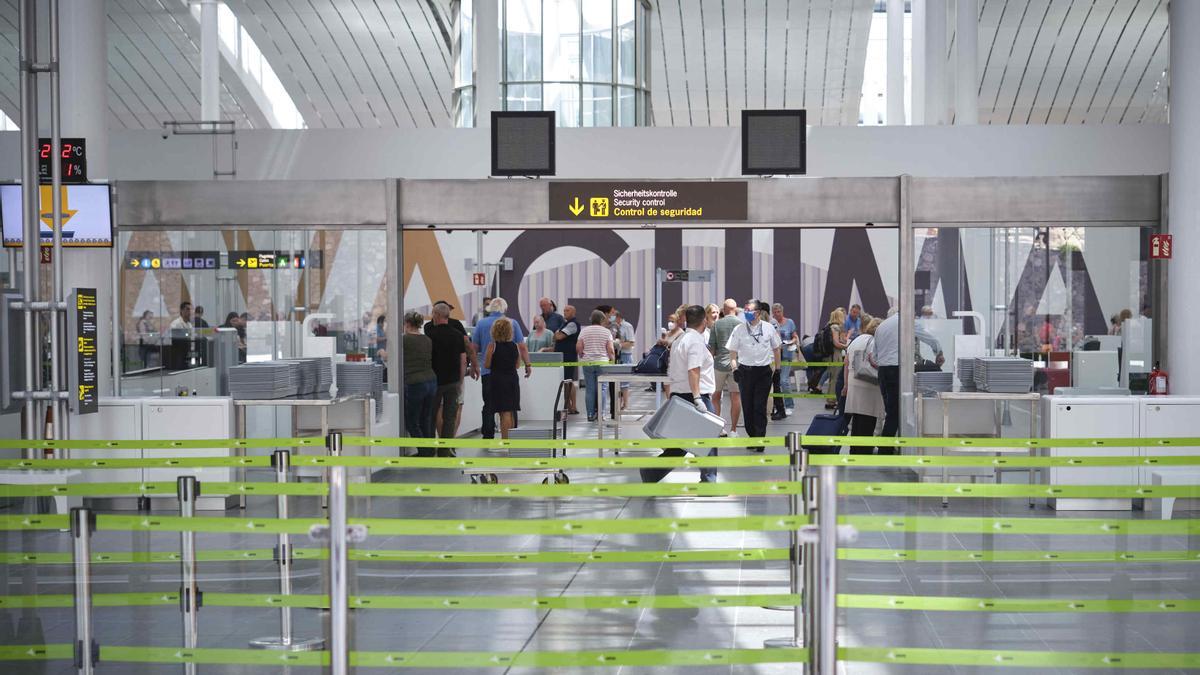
482,337
554,320
853,325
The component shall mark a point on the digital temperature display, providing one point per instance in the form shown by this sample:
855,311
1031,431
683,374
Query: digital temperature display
72,159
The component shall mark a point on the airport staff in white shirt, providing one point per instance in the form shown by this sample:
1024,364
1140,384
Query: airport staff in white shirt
754,354
691,375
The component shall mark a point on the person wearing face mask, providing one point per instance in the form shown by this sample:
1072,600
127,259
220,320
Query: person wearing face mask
754,354
625,342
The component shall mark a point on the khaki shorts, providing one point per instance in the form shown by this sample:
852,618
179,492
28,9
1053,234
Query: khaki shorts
725,380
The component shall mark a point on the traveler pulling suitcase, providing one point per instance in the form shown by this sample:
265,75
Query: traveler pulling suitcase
679,419
826,425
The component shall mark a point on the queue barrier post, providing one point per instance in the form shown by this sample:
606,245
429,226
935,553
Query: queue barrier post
808,597
87,651
339,536
187,489
827,571
796,505
281,460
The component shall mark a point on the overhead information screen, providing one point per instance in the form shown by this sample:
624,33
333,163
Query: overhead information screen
773,142
86,220
522,143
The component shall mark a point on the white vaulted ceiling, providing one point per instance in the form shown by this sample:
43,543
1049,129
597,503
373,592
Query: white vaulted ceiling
713,58
1073,61
388,63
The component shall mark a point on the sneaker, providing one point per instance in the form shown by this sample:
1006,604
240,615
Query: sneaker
776,417
732,432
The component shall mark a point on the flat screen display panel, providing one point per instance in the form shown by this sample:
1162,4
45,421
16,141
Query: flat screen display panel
87,215
523,143
773,142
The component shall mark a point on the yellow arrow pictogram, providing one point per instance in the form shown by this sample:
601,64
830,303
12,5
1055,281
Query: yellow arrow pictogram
47,215
575,207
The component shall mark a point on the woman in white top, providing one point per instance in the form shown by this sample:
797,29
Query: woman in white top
864,402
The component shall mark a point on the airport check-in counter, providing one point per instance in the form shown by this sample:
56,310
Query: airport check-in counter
537,399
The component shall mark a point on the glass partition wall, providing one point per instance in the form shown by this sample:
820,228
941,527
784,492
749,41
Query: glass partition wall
1075,300
194,301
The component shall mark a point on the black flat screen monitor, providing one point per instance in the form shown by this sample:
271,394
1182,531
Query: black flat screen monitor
773,143
522,143
87,216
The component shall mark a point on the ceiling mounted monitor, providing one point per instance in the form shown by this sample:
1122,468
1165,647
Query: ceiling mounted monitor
523,143
773,142
86,220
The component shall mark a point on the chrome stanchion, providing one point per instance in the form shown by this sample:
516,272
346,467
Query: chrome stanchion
87,652
282,460
809,593
339,598
827,571
188,489
340,536
797,504
333,448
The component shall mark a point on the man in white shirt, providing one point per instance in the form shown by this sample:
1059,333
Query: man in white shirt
183,322
885,356
754,354
691,376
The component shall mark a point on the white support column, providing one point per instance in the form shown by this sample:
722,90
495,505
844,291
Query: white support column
966,57
83,62
210,63
935,61
918,62
487,60
895,62
1184,199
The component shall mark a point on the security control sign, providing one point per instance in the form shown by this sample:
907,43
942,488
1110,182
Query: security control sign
688,201
85,376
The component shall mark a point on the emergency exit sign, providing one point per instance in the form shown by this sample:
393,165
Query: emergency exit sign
1160,246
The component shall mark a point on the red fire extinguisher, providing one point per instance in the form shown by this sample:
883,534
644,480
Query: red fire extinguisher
1160,381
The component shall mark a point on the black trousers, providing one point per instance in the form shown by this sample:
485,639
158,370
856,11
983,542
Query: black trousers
889,386
755,385
862,425
487,427
777,407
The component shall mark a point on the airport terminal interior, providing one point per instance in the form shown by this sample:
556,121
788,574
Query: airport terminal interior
605,336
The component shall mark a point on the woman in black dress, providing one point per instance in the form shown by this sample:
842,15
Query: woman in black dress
501,359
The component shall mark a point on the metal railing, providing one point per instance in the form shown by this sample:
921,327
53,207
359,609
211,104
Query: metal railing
812,555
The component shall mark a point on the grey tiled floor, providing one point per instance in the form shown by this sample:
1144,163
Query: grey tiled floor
527,630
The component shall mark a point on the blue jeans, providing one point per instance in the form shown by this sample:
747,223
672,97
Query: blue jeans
625,357
590,373
785,380
418,409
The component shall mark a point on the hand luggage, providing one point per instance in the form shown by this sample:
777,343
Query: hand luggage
826,425
679,419
861,366
654,362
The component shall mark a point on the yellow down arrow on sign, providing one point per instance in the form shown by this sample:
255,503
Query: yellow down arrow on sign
575,207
